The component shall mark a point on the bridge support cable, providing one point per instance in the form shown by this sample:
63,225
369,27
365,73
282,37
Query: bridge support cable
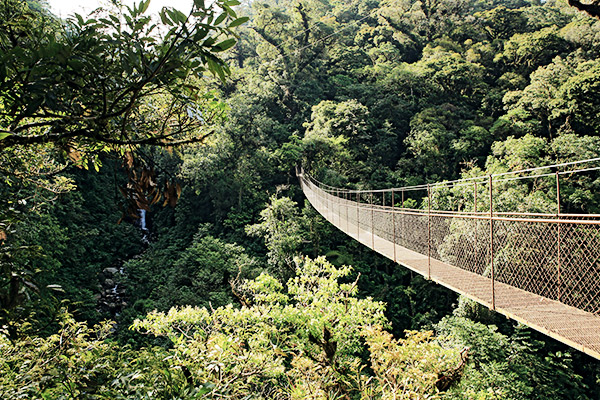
540,269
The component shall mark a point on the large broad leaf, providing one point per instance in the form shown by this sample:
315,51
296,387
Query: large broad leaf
165,18
209,42
238,22
4,135
176,16
229,11
220,18
224,45
144,6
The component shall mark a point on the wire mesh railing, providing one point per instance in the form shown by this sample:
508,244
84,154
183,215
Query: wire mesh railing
539,248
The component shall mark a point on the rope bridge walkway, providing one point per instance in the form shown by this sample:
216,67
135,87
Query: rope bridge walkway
541,269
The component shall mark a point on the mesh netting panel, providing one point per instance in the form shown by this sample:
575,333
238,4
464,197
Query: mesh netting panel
554,259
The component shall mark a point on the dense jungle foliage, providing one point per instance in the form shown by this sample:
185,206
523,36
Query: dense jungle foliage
229,284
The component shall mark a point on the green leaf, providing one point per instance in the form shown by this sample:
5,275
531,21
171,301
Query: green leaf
209,42
181,16
176,15
220,18
144,6
4,135
200,34
164,18
79,19
224,45
172,15
232,3
230,11
239,22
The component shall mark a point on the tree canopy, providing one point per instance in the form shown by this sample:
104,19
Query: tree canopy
113,80
107,119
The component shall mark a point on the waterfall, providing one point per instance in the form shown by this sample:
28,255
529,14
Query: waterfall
144,227
143,219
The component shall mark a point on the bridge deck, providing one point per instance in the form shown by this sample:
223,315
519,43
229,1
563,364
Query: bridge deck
574,327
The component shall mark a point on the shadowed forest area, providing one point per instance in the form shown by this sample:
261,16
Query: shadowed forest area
155,242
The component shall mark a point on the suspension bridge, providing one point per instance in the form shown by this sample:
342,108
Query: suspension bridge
539,268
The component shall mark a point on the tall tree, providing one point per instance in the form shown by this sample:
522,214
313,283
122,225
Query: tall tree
84,85
111,82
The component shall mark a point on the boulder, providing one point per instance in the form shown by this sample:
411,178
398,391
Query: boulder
110,270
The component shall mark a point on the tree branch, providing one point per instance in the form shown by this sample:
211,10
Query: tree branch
160,141
592,8
271,41
17,140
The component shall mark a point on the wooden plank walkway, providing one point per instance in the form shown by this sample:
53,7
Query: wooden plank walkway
574,327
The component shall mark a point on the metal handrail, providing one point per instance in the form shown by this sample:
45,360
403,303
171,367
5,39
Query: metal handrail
555,255
482,178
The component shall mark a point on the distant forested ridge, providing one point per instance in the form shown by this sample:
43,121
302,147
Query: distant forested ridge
154,242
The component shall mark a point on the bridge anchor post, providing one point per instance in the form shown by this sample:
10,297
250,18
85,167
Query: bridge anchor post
428,231
394,224
402,221
558,239
476,227
492,244
372,223
358,216
346,207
